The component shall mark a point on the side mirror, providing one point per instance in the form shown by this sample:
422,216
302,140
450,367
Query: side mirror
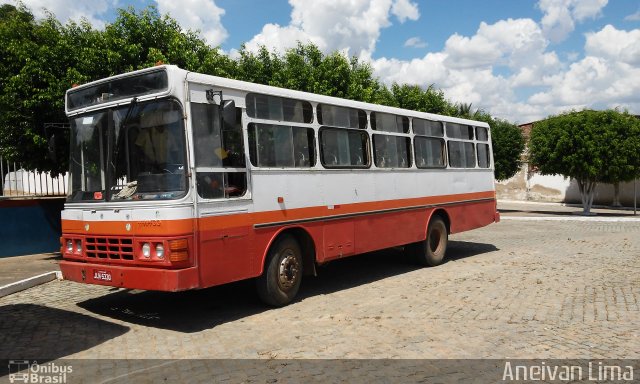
228,113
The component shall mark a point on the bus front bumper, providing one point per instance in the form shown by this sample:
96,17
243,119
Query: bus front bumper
131,277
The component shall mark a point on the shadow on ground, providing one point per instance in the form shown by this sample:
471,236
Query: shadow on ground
194,311
577,212
36,332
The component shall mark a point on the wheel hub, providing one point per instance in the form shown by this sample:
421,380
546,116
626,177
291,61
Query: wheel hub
288,270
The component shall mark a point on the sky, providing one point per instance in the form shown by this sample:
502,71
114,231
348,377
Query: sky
516,59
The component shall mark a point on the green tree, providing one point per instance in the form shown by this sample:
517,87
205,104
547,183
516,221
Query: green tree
34,59
41,59
413,97
507,142
589,146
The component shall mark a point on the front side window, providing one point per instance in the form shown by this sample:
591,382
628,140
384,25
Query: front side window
219,153
281,146
135,152
391,151
344,148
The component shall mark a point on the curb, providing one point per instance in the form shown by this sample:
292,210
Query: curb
29,283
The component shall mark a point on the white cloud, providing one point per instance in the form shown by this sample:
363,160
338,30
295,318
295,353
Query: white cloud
66,10
405,9
351,26
615,45
633,16
498,67
415,42
279,38
607,77
560,15
202,15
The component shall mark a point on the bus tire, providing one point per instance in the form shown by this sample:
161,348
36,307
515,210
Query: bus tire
282,275
431,251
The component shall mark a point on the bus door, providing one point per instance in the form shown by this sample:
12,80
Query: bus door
222,199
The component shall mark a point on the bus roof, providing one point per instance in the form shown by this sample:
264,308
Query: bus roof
244,86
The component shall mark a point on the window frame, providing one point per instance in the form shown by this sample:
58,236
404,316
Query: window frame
252,145
367,148
201,172
445,154
250,106
410,149
464,142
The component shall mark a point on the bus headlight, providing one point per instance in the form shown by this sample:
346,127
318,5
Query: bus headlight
69,246
146,250
160,251
79,246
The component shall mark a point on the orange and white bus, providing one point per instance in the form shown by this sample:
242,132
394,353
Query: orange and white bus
180,180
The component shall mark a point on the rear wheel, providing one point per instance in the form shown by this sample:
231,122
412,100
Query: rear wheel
280,280
431,251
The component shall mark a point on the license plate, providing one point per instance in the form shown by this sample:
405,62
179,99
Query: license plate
101,275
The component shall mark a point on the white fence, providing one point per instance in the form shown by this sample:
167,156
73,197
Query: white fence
18,182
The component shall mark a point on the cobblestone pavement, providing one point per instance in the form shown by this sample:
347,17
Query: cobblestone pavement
515,289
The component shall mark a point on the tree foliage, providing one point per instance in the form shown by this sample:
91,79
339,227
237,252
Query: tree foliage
41,59
589,146
508,145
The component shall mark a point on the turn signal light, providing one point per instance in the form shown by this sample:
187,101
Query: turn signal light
179,250
179,256
178,245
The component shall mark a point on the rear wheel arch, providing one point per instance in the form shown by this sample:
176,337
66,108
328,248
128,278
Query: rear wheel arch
290,255
443,215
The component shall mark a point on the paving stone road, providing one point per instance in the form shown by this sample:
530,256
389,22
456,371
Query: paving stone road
516,289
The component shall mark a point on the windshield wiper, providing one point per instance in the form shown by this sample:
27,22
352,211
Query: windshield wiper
112,153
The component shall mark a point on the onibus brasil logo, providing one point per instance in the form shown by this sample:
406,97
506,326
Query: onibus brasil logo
24,371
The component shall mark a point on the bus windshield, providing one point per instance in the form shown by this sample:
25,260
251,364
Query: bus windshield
128,153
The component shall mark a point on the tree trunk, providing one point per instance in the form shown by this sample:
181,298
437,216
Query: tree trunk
616,195
587,189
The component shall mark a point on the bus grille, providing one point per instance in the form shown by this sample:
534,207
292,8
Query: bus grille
113,248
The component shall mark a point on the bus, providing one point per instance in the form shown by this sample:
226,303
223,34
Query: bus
180,180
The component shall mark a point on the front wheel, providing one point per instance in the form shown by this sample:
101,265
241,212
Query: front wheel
431,251
280,280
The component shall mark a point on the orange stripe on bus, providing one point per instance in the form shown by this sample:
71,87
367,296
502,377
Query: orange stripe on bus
186,226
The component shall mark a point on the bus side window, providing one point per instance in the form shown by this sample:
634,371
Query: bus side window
281,146
219,154
343,148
